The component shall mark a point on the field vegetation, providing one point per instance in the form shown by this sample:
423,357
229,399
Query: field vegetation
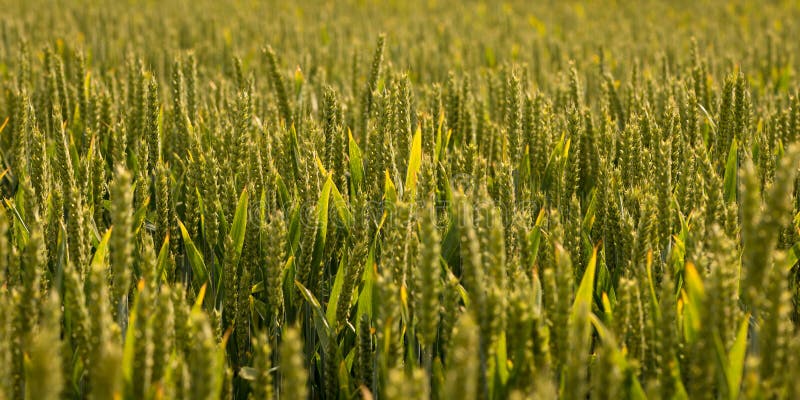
435,199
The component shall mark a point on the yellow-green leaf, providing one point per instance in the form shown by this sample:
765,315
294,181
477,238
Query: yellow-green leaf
585,292
239,224
356,164
195,258
414,162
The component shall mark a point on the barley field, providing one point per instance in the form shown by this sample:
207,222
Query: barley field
423,199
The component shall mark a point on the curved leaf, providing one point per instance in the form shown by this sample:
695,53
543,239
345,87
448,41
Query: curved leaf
414,162
239,224
199,269
320,323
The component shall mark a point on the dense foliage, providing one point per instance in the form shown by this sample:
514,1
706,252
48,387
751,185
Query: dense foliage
210,199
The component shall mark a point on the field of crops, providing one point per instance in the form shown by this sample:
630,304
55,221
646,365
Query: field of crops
365,199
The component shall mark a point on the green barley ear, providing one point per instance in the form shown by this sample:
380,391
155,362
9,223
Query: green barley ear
278,85
262,387
541,338
173,386
558,279
372,86
332,359
257,174
664,188
151,128
336,146
33,265
712,188
24,57
98,186
61,83
375,158
773,333
119,141
451,101
630,317
179,135
182,327
589,158
238,73
82,106
793,123
190,73
78,246
206,359
607,377
462,367
40,167
699,70
406,385
210,192
105,116
616,110
166,219
273,253
43,378
727,125
428,276
388,321
402,113
535,135
471,262
450,311
760,228
520,335
163,324
50,87
137,114
724,313
227,383
294,378
668,338
192,195
142,337
121,243
514,119
21,135
105,372
579,342
496,284
742,109
793,389
307,245
77,320
364,364
330,105
645,231
474,277
54,212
